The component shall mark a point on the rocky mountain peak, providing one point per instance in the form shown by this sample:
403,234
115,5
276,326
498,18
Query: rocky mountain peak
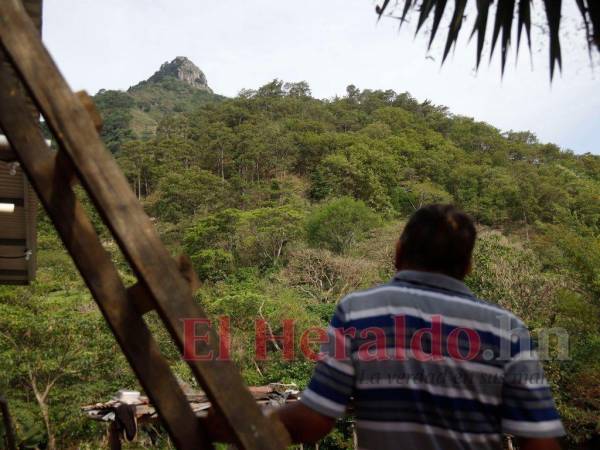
183,69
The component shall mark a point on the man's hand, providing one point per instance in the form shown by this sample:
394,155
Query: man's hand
538,444
304,424
217,428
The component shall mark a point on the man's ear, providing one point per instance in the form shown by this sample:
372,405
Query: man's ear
398,257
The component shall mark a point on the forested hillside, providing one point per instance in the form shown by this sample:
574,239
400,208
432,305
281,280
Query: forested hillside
137,112
285,203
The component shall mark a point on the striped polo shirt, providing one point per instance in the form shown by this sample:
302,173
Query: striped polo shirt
423,364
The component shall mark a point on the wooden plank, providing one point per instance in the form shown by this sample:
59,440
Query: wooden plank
30,210
13,242
90,107
15,282
34,10
6,153
141,296
133,230
14,272
15,201
9,435
95,266
114,437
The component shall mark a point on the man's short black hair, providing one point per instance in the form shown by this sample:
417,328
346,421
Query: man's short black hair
437,238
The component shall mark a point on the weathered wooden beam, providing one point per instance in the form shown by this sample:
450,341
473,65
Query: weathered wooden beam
133,230
6,153
141,296
90,107
96,268
8,426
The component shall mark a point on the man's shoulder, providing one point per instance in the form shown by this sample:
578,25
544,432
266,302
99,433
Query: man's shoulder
362,297
428,299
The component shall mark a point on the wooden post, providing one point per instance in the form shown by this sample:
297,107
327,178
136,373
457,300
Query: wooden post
34,11
114,437
8,428
94,263
134,232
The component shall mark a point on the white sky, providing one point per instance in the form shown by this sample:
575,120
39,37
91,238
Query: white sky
113,44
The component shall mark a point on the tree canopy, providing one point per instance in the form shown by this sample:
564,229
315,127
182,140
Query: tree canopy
285,204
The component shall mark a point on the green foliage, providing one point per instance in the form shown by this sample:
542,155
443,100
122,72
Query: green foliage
507,274
285,204
339,224
258,237
168,95
189,192
576,250
135,114
115,108
410,196
213,264
57,353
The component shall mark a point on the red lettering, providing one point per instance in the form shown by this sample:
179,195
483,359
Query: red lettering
190,338
306,341
261,339
435,335
473,341
365,351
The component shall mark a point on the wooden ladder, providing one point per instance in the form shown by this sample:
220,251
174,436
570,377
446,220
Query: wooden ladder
28,74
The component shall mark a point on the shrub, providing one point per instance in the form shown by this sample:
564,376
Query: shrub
340,223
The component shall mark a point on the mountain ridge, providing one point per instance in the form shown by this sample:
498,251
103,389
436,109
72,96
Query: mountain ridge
182,69
177,86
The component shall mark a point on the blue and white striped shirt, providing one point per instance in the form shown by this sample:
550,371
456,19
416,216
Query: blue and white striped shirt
426,365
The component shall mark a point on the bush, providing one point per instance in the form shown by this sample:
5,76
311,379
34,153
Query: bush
326,277
187,192
212,264
340,223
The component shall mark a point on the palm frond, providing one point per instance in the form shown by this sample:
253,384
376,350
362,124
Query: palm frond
590,12
380,9
504,20
553,13
455,25
524,21
437,18
503,23
407,5
425,10
483,7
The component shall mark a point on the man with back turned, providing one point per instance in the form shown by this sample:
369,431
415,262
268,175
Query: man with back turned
422,362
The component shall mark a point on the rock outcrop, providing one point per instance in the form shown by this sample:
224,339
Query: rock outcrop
183,69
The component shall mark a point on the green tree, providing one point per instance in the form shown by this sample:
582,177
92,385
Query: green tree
187,193
340,223
258,237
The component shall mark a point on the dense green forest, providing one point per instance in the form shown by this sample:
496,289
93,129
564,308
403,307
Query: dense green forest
285,203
